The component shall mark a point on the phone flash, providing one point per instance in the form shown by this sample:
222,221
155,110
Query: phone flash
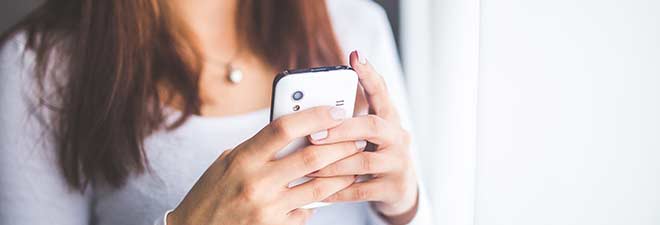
296,107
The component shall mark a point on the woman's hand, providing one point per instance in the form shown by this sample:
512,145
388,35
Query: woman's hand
247,186
393,188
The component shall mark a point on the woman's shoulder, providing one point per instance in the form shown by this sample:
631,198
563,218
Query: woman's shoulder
13,40
15,61
356,10
18,64
359,24
20,90
13,49
16,67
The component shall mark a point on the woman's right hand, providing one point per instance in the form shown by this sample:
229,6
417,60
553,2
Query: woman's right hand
246,185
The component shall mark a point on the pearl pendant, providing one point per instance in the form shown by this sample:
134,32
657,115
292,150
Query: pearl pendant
235,76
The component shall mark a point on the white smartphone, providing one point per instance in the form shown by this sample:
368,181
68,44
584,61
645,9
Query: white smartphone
297,90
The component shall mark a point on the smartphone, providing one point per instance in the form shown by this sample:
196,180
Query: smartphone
297,90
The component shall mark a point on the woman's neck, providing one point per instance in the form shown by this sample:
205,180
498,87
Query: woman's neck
213,24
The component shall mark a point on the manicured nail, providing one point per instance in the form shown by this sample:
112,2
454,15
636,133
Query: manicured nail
337,113
361,144
361,58
319,135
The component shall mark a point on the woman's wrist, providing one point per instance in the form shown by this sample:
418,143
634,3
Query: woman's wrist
400,218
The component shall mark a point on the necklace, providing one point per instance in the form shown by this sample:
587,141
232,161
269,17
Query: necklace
234,74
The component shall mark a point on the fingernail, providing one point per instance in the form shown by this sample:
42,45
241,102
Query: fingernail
361,58
337,113
361,144
319,135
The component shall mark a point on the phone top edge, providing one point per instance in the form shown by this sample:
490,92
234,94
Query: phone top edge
308,70
285,73
318,69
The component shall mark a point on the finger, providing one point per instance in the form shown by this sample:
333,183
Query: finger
369,127
283,130
374,86
313,158
361,103
315,190
373,190
300,216
360,164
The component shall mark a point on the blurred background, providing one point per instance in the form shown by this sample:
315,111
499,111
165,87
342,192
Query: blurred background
529,111
13,10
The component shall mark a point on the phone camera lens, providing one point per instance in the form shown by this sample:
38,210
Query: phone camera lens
297,95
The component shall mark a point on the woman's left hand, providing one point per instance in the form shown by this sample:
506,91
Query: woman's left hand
393,187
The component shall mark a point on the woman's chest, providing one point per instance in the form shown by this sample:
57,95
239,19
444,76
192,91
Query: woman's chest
177,159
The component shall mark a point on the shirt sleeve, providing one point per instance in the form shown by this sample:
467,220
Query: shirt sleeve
32,189
163,219
384,57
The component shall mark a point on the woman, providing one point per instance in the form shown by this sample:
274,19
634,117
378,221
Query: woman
135,111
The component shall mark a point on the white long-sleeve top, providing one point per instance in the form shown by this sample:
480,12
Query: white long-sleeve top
32,190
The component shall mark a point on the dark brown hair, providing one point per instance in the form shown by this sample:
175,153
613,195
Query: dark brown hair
115,54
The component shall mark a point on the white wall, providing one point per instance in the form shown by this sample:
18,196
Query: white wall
569,112
12,10
441,44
